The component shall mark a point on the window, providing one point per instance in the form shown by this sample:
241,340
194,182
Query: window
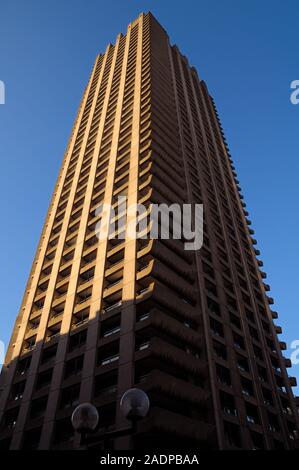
267,395
232,434
235,320
285,406
292,429
53,331
106,384
29,343
213,306
228,404
141,343
258,352
86,276
231,302
280,384
253,333
247,387
238,341
142,316
34,323
10,418
57,310
223,375
242,363
18,390
211,287
44,379
250,315
48,354
74,366
275,364
77,340
216,327
108,353
81,317
23,366
70,397
220,350
271,345
110,326
273,422
38,407
262,374
252,415
84,295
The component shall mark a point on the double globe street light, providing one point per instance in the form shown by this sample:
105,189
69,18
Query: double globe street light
134,405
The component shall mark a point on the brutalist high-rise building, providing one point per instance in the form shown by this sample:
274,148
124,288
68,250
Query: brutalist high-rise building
194,329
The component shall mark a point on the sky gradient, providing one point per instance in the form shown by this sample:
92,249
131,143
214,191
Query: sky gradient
246,51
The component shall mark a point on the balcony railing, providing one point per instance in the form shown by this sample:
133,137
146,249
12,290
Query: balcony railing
111,332
112,307
109,360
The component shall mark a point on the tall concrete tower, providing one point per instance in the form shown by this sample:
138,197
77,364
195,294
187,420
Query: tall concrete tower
194,329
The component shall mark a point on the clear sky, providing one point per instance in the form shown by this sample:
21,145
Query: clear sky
247,51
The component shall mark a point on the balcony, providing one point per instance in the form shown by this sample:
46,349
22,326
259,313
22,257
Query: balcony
109,360
177,357
86,276
163,190
230,411
270,300
172,302
110,326
108,354
144,290
83,295
29,342
168,277
115,269
112,287
80,317
111,332
179,389
171,253
112,306
293,381
17,391
287,362
278,329
176,424
32,325
170,325
53,331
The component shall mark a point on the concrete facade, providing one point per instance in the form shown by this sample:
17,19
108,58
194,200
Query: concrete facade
193,329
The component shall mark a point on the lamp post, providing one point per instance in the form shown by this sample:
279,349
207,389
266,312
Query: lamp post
134,405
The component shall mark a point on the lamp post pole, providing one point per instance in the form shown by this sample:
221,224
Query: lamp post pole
134,405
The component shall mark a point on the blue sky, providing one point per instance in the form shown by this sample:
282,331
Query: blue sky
247,51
